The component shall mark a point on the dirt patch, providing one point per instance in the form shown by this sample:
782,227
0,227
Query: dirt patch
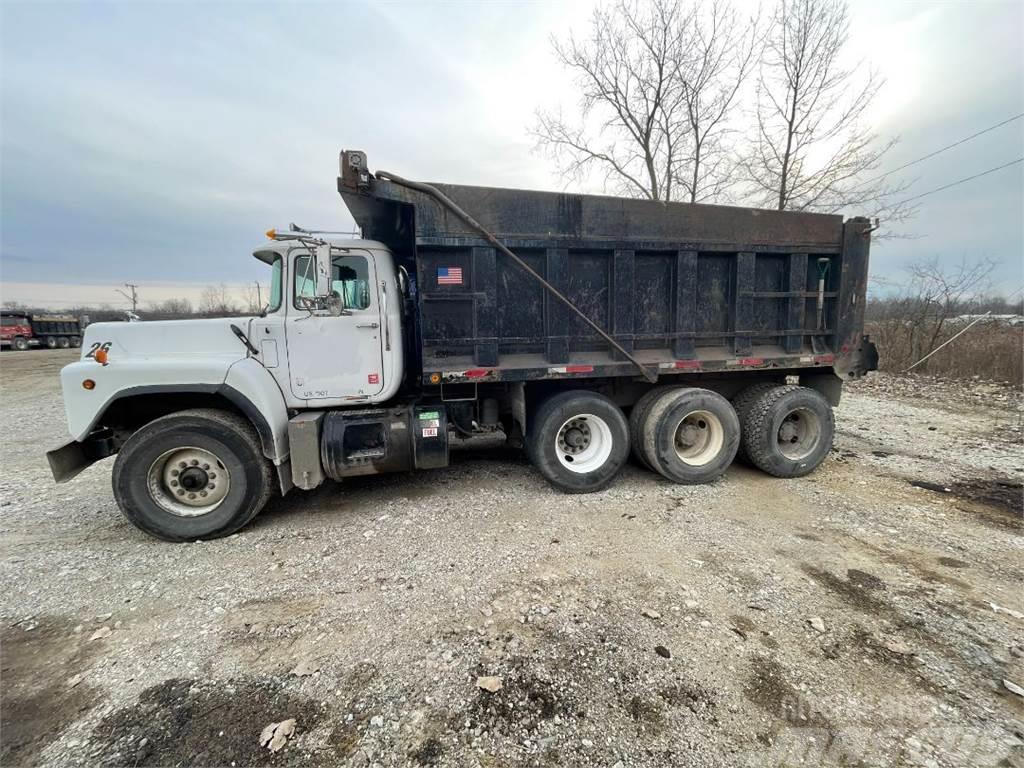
905,661
39,658
998,502
768,688
206,722
849,591
428,753
952,562
864,579
526,698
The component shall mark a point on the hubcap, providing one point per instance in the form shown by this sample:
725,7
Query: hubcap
188,482
699,438
799,434
583,443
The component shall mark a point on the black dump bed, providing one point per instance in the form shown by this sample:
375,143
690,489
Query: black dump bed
681,287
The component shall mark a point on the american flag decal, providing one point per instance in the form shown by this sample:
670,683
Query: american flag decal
449,275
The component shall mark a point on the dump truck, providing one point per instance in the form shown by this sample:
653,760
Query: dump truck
583,328
22,330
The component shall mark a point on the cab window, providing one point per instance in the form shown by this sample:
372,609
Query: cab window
350,278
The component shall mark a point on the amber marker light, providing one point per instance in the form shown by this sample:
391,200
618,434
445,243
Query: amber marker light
89,384
271,234
435,378
100,356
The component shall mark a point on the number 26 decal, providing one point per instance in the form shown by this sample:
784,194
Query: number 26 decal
97,346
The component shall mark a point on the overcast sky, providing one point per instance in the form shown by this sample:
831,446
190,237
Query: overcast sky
154,143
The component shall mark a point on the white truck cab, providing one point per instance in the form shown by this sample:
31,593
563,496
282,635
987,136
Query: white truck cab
330,337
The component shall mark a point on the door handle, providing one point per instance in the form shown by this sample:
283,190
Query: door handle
367,325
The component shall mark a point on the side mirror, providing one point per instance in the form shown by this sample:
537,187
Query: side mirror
335,304
323,271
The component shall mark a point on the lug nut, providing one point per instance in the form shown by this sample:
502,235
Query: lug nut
195,462
211,486
206,466
181,492
182,464
213,475
174,473
203,494
191,495
174,483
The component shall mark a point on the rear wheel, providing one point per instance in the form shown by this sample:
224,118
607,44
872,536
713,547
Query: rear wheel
578,441
51,342
63,342
742,404
76,341
21,343
195,474
788,431
691,435
637,419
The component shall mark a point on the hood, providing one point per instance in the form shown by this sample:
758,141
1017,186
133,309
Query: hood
168,338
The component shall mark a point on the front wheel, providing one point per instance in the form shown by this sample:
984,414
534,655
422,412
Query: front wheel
578,441
21,343
195,474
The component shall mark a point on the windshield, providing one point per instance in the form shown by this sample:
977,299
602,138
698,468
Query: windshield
276,281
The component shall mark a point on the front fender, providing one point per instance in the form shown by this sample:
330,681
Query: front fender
261,397
133,376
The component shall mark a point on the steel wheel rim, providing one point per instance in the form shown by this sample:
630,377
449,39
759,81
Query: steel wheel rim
583,443
188,481
698,438
799,433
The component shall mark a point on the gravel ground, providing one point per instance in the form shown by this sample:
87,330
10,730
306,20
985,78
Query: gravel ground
848,617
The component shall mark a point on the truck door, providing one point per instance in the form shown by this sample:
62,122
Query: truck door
336,357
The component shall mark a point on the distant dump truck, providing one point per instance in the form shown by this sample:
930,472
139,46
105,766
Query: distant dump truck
582,327
20,330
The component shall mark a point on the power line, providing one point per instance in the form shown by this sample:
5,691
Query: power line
940,151
961,181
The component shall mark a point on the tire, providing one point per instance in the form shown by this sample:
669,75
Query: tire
579,415
51,342
742,404
63,342
691,435
788,431
76,341
20,343
638,416
142,477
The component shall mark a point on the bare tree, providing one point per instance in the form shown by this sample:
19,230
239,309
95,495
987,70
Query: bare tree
215,300
914,318
252,297
172,307
632,106
813,148
715,54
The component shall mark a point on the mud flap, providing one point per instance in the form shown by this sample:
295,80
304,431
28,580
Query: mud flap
71,458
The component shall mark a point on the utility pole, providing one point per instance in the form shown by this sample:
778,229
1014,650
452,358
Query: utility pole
134,298
259,296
